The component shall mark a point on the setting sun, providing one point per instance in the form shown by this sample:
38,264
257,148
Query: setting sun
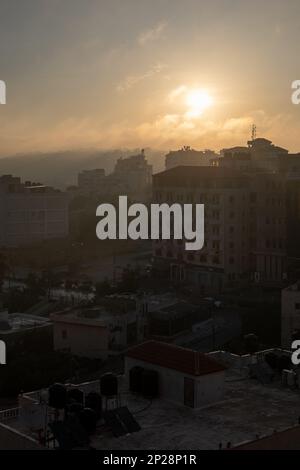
197,101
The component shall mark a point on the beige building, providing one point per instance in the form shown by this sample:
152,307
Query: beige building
133,177
91,181
31,212
189,157
100,331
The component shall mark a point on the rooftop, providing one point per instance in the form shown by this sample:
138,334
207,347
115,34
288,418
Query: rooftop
252,415
13,322
97,315
191,175
175,357
249,410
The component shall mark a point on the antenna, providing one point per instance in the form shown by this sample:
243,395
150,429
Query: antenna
253,133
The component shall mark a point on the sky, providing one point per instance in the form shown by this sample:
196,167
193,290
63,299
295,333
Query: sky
129,73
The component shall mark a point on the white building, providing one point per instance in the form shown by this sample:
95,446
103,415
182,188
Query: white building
185,376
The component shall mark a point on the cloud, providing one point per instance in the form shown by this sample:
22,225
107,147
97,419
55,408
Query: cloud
180,90
133,80
152,34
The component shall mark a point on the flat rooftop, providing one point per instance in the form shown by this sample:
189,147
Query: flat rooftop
98,315
249,410
13,322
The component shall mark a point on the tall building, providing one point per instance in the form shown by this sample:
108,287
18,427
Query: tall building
30,212
133,176
91,181
244,227
187,156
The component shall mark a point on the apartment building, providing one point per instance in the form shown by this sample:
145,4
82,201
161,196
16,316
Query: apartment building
91,181
30,212
133,176
187,156
244,226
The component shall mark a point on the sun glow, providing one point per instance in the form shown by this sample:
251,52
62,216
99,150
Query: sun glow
197,101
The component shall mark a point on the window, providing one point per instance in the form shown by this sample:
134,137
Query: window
64,334
297,306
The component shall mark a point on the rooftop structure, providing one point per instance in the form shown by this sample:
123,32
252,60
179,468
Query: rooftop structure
190,157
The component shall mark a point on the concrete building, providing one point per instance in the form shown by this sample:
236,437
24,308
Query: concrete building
30,212
245,226
290,314
187,156
259,154
100,331
91,181
133,177
185,377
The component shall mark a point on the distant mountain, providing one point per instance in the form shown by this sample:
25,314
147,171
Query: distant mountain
60,169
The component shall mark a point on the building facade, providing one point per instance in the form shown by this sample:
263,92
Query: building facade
290,315
31,212
187,156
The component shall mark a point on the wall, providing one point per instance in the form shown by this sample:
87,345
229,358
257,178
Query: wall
81,340
209,389
290,315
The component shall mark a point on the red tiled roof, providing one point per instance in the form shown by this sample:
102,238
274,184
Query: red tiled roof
175,357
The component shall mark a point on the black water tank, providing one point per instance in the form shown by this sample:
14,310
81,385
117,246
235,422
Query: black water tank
93,400
135,379
150,384
88,420
109,385
74,395
57,396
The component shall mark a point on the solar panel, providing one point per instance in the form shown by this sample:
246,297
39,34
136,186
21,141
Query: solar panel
121,421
